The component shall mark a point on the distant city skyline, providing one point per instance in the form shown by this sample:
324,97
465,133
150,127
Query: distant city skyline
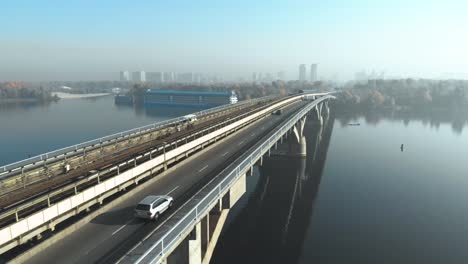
94,40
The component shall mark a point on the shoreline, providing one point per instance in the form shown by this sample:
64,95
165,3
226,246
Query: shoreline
78,96
21,100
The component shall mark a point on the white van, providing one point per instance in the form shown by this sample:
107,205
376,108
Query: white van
153,206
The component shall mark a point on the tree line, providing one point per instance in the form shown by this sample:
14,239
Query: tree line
17,90
410,94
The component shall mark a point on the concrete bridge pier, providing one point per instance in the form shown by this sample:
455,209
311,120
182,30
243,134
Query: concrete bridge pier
318,140
327,109
318,110
298,145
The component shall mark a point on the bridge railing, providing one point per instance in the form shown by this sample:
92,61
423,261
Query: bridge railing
128,133
228,176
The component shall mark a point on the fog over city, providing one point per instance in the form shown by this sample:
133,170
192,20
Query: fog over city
93,40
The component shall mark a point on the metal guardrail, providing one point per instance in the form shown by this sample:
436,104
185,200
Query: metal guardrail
134,131
229,175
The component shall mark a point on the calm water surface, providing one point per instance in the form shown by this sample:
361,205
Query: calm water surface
27,129
358,199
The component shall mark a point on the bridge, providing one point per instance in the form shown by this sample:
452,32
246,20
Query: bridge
93,187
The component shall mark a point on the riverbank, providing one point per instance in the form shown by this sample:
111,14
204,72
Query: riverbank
18,100
12,101
78,96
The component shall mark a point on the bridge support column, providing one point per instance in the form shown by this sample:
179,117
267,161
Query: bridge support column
298,146
318,110
205,233
235,193
195,245
327,109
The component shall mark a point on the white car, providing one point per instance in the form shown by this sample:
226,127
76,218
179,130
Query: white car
153,206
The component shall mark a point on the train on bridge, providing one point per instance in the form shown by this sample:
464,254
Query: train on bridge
188,98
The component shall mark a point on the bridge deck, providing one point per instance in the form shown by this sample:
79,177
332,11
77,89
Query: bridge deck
111,234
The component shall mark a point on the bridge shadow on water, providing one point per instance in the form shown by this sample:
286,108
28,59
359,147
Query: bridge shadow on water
269,224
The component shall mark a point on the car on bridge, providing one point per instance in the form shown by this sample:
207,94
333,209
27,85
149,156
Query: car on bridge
278,112
189,118
153,206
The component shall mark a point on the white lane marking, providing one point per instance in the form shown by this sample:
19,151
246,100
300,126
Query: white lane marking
172,190
225,153
122,227
240,143
253,134
202,169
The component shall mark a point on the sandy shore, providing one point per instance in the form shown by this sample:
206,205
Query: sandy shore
78,96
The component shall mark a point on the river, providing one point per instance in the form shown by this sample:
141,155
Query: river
357,198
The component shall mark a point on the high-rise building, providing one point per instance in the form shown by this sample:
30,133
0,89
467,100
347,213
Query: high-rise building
197,78
254,77
313,72
139,76
156,77
169,77
124,76
302,72
187,77
268,77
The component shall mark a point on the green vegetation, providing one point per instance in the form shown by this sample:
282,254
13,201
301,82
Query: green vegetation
406,94
21,92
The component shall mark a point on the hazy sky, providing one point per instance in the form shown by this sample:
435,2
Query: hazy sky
92,39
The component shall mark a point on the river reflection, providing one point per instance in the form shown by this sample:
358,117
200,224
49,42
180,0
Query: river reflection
360,200
457,119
